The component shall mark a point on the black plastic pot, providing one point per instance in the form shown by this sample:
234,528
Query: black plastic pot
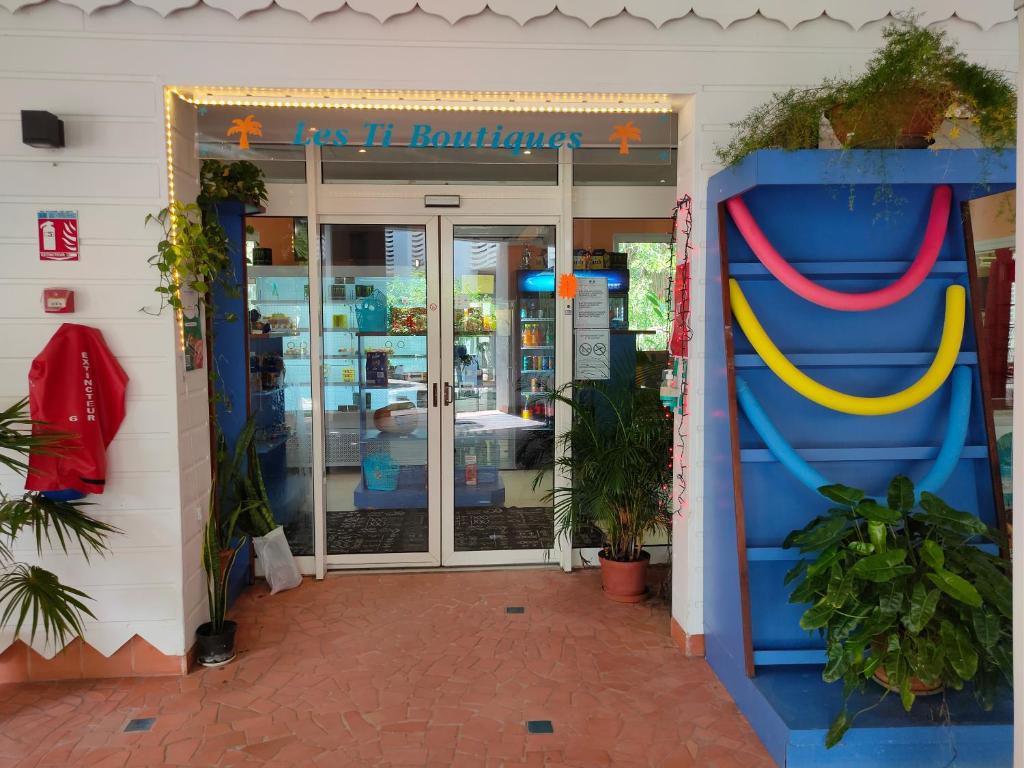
212,650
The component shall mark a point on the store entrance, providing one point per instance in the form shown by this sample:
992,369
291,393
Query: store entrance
437,342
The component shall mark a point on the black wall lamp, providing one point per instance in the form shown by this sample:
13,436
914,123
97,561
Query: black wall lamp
41,129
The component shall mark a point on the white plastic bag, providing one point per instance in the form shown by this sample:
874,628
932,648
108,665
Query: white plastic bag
277,561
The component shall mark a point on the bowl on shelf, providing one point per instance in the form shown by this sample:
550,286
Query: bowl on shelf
401,418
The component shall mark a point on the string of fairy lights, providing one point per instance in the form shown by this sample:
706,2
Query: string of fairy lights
169,95
427,101
680,247
416,101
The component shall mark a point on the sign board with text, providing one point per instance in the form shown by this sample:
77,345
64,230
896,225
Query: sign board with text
58,235
591,303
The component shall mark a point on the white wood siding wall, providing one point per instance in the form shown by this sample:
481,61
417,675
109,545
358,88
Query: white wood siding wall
113,175
55,57
193,408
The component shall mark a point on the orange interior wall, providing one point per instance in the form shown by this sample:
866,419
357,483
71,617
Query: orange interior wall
600,233
275,232
992,216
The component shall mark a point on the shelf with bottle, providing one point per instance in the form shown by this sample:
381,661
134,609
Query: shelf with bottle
541,308
538,363
534,335
541,412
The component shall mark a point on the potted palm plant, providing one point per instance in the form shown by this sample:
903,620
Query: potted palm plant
908,594
30,593
618,454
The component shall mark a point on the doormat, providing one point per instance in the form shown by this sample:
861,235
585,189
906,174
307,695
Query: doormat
376,531
495,528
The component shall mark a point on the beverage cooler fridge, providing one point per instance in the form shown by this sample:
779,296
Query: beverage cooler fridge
535,336
536,331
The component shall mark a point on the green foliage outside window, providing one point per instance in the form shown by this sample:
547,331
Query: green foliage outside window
649,267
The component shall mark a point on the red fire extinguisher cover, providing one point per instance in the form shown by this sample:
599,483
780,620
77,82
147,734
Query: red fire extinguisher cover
77,387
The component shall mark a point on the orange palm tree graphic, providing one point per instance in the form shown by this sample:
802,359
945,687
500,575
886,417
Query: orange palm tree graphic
624,134
245,127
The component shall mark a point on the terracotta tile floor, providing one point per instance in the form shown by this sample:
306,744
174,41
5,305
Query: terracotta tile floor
422,669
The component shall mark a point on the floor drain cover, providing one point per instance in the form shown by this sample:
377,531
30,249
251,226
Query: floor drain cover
539,726
515,609
139,724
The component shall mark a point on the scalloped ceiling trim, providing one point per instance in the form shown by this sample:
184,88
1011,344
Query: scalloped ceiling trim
984,13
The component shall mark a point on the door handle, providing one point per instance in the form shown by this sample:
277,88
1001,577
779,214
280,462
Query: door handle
435,394
447,393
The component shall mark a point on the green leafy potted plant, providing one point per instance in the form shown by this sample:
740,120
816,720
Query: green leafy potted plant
618,454
194,251
240,180
903,594
915,80
30,593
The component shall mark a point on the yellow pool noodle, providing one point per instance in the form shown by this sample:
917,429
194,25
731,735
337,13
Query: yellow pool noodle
938,371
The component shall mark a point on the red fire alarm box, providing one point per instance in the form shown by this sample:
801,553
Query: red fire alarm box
58,300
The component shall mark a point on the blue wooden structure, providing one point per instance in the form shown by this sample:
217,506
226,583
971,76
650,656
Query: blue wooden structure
851,221
229,354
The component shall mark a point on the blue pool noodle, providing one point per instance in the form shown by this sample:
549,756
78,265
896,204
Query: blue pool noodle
945,462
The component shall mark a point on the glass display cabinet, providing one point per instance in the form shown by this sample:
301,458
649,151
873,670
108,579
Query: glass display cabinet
280,398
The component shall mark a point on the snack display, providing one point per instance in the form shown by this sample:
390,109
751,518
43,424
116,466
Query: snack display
408,320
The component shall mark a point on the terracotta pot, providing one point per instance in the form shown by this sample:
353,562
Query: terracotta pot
911,115
917,686
625,582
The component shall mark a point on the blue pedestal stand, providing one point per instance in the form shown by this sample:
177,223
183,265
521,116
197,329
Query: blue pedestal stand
754,643
229,356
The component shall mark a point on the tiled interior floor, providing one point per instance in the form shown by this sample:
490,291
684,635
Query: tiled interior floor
419,669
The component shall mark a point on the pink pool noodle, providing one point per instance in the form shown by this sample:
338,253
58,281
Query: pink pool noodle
934,234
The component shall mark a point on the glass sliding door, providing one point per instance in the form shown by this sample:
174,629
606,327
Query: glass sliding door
498,417
376,393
